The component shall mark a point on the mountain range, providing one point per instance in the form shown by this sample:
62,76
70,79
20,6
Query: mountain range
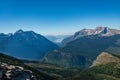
90,54
101,31
84,46
26,45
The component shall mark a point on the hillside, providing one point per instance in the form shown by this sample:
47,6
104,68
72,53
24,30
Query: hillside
105,67
105,58
24,43
13,61
60,73
81,52
109,70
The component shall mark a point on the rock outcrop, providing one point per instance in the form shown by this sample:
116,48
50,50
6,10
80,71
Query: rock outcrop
11,72
105,58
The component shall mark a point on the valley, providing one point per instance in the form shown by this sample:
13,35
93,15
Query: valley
90,54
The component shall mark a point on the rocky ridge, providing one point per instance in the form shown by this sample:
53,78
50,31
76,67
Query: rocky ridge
100,30
105,58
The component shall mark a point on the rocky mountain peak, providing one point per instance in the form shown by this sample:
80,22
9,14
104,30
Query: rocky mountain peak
100,30
19,31
86,32
105,58
83,32
105,31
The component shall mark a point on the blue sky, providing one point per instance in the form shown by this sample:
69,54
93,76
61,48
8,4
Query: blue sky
58,16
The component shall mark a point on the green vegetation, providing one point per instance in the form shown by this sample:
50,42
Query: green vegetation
110,71
81,52
45,71
59,73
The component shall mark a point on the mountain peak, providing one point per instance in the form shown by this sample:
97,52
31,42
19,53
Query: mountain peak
19,31
105,30
100,30
24,43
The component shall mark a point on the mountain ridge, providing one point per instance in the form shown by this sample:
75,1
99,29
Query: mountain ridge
105,58
81,52
23,43
100,30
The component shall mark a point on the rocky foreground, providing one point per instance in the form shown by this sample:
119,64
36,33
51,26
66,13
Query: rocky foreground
11,72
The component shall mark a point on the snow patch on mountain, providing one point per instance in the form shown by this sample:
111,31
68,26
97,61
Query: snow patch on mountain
100,30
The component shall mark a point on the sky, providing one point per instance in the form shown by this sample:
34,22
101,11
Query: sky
58,17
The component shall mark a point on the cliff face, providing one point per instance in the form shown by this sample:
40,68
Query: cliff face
105,58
